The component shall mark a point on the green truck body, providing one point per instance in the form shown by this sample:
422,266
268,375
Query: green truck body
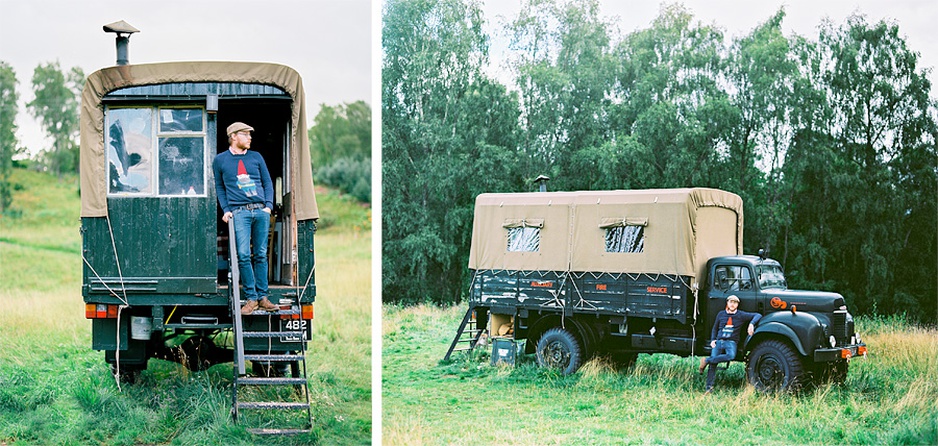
155,276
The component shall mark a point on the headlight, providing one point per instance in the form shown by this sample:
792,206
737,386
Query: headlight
833,341
857,335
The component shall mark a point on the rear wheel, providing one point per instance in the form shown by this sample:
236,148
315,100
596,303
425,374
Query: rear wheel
559,349
774,366
199,352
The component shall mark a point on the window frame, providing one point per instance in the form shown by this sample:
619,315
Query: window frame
156,135
608,224
528,228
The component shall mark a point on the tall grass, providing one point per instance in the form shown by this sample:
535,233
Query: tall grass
890,397
56,390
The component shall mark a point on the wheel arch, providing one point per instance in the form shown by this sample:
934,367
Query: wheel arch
802,330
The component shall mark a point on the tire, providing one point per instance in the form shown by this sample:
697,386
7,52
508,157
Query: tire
559,349
774,366
200,353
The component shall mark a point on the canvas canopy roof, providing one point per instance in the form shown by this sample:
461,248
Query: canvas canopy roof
680,228
104,81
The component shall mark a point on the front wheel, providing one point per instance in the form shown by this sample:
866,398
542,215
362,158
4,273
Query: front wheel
775,366
559,349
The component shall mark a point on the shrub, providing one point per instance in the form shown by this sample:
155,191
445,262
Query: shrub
351,176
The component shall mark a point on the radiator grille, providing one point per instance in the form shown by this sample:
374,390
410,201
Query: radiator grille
840,330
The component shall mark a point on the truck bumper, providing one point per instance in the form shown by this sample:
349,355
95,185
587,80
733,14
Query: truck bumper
839,353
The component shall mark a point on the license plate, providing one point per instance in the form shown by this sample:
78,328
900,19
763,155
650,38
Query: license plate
294,325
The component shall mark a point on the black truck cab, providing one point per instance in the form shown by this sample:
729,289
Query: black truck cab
816,323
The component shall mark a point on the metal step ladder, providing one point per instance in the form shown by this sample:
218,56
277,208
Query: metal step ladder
467,336
297,361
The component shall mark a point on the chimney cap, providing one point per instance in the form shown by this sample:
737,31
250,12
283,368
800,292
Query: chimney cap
120,27
542,178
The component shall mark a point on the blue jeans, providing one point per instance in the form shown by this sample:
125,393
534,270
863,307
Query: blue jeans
725,351
251,228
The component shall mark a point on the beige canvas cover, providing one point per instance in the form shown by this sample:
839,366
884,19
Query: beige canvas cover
683,228
104,81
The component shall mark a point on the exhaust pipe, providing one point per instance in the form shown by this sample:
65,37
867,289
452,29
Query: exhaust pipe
123,31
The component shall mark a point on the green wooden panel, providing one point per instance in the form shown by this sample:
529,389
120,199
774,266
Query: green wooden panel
306,229
162,244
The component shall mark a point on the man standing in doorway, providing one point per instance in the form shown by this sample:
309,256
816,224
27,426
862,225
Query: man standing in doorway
725,337
245,193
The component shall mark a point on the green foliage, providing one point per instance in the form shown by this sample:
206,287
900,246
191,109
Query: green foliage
814,136
55,105
871,136
348,175
8,110
659,401
448,135
338,132
340,147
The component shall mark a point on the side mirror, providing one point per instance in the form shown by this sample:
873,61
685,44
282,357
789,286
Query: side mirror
762,253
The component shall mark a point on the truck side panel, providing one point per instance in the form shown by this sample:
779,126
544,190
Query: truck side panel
662,297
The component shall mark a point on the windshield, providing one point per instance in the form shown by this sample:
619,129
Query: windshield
771,276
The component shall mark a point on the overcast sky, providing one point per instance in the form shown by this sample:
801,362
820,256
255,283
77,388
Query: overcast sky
327,41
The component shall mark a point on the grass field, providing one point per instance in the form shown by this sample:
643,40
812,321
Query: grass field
55,390
890,397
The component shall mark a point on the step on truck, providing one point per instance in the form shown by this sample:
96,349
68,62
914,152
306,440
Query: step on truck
159,279
618,273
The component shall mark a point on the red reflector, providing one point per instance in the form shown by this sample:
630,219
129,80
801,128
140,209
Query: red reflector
861,350
307,311
112,311
844,353
89,311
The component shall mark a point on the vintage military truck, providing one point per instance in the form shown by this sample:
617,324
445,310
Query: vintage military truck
155,251
618,273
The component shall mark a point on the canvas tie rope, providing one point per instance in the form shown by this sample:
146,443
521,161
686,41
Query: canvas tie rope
120,308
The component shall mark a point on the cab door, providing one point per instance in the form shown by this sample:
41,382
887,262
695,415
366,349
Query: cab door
730,279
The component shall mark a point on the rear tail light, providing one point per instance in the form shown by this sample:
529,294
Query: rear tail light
100,311
306,312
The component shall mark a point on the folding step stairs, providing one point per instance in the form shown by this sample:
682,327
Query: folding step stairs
467,336
262,384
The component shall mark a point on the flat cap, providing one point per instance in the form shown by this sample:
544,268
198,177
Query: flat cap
239,126
732,297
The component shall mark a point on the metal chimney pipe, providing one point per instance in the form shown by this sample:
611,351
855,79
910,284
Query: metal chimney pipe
123,42
123,31
541,181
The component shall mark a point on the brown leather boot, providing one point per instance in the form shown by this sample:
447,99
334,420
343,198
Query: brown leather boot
265,304
249,307
703,365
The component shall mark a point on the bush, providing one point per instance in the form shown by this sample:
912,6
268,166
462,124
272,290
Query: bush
351,176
